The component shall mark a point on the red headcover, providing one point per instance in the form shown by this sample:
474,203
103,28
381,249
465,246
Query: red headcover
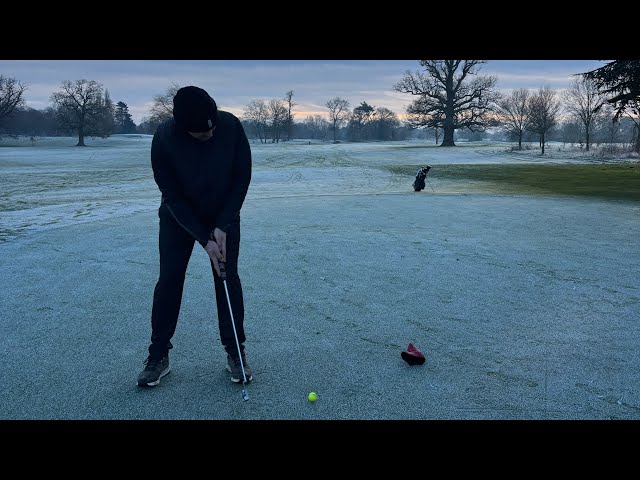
412,355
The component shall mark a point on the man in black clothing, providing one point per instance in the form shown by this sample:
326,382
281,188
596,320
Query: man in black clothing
201,162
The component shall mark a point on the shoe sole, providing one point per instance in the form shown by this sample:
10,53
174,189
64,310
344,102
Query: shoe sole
153,384
238,380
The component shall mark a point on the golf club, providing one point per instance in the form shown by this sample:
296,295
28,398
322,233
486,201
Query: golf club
223,276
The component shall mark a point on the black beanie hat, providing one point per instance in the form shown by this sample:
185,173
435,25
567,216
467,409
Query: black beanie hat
194,110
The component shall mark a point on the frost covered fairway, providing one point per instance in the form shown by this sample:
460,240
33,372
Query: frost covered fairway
526,307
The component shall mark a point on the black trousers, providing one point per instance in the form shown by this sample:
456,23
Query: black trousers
176,247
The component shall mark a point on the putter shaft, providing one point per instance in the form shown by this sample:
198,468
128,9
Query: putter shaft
223,276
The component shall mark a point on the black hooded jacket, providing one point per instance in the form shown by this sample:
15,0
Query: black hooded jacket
203,184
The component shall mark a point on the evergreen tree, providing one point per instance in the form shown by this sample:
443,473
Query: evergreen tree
122,119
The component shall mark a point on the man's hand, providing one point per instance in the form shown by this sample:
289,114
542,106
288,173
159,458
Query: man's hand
221,239
217,248
213,250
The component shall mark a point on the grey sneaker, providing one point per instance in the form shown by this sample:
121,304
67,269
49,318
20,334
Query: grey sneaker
234,368
154,370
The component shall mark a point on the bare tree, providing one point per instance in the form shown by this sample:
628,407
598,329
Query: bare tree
448,98
613,123
79,105
543,112
256,113
513,113
583,100
338,113
317,125
607,131
11,96
162,106
571,131
277,112
288,98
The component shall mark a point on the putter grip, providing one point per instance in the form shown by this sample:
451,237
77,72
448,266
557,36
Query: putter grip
223,270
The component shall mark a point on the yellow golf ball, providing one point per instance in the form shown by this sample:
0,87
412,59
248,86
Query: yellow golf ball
313,397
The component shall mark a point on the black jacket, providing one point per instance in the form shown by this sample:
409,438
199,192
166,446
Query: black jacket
203,184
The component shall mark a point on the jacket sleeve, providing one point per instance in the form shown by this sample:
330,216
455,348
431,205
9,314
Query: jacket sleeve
241,177
165,178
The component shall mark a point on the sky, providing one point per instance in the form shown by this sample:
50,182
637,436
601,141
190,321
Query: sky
235,83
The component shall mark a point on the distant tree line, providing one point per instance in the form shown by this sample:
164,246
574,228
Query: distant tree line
452,101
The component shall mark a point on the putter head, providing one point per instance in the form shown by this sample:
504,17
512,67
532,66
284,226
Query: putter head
245,395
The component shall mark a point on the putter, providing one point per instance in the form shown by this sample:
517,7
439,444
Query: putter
223,276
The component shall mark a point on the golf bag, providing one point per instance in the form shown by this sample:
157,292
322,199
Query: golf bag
421,177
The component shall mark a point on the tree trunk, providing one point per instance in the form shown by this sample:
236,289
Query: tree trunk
520,141
542,142
80,137
447,141
587,139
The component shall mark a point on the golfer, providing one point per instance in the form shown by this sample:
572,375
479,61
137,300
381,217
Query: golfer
201,162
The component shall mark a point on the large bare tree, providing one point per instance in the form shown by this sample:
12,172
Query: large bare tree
256,114
162,106
79,106
583,100
278,117
544,110
513,112
11,96
338,113
450,95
